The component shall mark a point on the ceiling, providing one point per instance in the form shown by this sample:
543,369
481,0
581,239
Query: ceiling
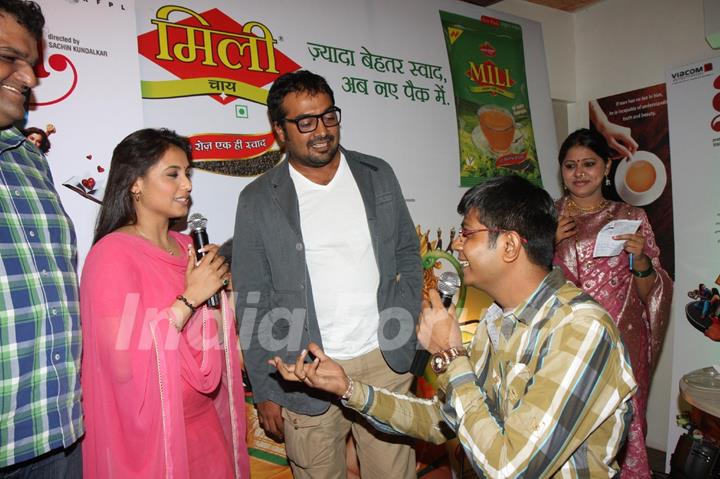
565,5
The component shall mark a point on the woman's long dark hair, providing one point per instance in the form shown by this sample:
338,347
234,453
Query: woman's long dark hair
44,141
131,159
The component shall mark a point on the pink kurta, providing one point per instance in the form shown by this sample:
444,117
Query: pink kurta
643,325
137,369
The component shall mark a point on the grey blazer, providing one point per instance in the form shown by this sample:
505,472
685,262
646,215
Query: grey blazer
275,307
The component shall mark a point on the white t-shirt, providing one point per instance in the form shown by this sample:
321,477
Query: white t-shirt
341,262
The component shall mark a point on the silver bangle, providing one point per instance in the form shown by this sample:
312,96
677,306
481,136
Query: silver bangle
349,391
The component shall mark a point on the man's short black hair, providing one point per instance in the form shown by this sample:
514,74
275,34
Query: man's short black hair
301,81
512,203
27,13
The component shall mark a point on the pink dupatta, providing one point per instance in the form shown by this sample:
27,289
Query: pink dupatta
133,361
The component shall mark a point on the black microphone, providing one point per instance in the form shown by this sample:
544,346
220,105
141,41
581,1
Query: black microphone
198,232
448,285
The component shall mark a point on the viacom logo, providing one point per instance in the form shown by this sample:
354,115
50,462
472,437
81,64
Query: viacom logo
692,73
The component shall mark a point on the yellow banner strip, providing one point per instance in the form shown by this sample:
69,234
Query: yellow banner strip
202,86
492,89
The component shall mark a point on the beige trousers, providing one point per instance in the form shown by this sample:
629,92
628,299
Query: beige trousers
315,445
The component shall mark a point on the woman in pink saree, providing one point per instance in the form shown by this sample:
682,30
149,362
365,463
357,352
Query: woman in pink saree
631,286
162,387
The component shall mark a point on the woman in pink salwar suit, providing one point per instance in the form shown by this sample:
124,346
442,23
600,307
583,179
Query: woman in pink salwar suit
636,295
162,388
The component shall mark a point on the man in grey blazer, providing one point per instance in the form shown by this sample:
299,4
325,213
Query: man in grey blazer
325,251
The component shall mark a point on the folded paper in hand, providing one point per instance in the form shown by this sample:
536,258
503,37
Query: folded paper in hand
605,245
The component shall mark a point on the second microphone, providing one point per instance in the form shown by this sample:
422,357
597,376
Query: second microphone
198,232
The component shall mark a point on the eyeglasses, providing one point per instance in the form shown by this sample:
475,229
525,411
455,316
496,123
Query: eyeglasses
309,123
466,233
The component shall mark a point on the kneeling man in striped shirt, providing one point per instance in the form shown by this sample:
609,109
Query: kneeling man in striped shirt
544,388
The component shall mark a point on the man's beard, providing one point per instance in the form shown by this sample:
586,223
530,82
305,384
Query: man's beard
316,160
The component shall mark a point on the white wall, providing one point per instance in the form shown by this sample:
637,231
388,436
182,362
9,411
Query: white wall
622,45
558,35
613,47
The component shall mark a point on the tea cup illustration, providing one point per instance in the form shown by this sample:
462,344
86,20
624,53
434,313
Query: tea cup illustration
498,127
641,179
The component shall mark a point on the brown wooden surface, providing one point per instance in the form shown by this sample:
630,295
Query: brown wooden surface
565,5
482,3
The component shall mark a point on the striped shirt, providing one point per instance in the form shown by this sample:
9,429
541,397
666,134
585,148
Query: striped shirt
39,311
545,391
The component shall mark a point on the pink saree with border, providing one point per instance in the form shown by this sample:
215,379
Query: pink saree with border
642,324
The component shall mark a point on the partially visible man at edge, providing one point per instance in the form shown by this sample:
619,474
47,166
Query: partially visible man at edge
40,414
325,250
544,389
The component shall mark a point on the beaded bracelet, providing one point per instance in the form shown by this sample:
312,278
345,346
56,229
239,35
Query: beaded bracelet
349,391
186,302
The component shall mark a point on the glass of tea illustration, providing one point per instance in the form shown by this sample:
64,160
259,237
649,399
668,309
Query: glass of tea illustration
498,126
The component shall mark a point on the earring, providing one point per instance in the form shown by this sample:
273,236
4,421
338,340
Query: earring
136,195
607,180
565,188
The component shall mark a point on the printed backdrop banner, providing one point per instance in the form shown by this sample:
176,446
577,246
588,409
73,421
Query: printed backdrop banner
203,68
86,109
694,109
491,103
645,179
206,67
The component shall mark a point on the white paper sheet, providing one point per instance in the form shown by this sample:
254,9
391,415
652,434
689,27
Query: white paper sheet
605,245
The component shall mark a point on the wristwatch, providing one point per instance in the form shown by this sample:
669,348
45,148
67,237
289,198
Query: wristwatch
440,361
